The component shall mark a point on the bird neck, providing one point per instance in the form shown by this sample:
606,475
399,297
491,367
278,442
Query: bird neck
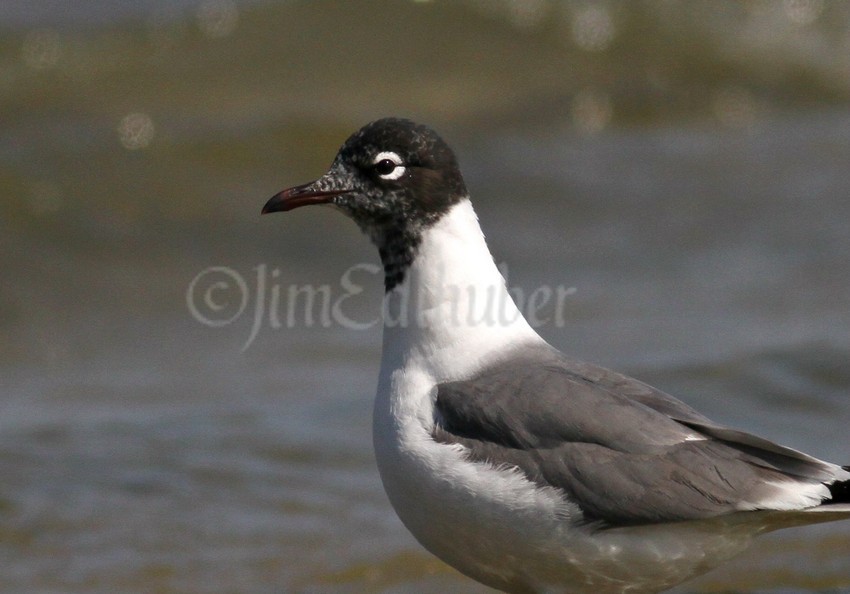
452,308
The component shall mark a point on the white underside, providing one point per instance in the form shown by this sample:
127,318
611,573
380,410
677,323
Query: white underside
461,511
492,523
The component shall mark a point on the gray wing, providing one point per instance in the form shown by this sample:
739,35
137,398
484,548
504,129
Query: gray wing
625,452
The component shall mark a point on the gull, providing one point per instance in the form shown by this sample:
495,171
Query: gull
523,468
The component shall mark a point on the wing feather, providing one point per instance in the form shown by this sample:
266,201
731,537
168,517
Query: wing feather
624,451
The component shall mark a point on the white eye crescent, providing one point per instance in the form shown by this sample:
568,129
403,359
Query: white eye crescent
388,165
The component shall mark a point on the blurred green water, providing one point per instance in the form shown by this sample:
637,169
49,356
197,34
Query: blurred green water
121,140
256,92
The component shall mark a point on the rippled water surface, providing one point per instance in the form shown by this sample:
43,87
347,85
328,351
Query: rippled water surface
680,173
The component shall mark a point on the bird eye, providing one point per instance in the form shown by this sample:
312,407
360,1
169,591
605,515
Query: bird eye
388,165
385,167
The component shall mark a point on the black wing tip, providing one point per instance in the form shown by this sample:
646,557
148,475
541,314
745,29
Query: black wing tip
839,491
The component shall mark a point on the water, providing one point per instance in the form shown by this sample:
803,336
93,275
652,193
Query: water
669,167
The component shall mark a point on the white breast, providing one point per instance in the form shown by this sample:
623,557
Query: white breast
450,316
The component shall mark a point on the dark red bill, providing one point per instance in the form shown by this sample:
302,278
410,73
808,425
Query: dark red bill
299,196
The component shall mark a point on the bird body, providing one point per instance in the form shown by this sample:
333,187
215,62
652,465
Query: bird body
522,468
431,485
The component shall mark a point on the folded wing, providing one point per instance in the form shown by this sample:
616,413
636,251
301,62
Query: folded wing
624,451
